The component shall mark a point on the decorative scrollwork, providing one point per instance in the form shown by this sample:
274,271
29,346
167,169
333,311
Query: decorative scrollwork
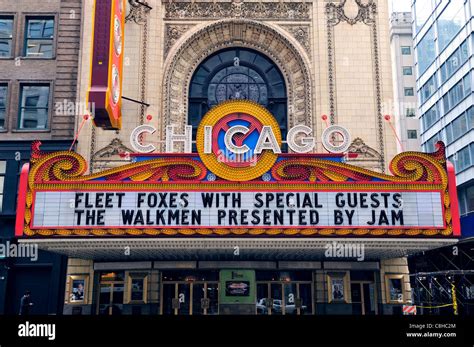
172,33
302,34
70,167
406,167
138,11
237,9
337,13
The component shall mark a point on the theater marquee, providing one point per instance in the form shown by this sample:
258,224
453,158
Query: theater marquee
219,191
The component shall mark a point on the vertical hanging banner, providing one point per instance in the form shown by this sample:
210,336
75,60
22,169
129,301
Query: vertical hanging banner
105,91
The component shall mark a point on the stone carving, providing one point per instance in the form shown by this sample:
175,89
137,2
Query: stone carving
341,12
112,155
114,148
238,9
182,62
172,33
302,34
367,157
138,12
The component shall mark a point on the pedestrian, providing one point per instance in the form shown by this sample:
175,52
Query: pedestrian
25,304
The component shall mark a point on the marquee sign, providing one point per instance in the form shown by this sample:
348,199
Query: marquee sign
105,91
238,184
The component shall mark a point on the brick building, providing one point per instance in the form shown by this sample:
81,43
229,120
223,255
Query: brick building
39,48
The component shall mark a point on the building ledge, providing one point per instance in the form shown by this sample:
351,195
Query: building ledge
124,249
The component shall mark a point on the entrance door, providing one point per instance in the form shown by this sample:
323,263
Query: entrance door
111,291
364,300
111,298
284,298
189,298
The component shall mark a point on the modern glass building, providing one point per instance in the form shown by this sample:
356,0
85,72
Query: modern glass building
444,61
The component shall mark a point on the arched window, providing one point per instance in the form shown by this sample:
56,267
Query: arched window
237,73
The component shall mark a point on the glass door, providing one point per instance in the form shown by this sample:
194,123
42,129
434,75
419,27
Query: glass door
189,298
304,302
212,294
262,298
356,295
199,303
184,298
291,296
370,304
364,298
111,291
276,296
284,298
168,301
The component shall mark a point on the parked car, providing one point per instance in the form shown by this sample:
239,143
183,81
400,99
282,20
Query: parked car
277,307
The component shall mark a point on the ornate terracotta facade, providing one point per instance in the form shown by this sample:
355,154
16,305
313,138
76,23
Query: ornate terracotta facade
324,72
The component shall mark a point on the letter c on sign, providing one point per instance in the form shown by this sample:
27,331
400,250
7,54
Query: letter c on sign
330,132
228,139
135,136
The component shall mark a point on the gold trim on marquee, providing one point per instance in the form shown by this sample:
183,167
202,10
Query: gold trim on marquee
66,171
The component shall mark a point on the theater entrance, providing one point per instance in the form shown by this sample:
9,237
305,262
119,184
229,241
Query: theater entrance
184,294
111,293
284,293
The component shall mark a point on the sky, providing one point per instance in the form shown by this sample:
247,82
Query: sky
400,5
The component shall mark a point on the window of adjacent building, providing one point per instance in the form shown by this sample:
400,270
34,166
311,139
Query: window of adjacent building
423,10
6,36
410,112
470,118
454,62
462,159
460,126
407,71
457,93
428,89
430,145
450,22
426,51
430,117
470,199
34,107
409,92
412,134
406,50
39,37
3,104
3,170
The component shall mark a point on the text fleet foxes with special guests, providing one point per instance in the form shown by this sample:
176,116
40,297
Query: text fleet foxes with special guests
240,209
